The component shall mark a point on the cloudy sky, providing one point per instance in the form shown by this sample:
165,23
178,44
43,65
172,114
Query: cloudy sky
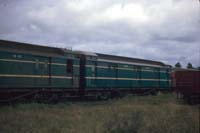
163,30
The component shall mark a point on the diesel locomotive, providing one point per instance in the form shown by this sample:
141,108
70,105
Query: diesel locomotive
34,71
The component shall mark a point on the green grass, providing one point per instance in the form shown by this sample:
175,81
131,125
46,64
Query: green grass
132,114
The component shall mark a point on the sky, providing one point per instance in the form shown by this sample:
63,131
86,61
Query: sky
161,30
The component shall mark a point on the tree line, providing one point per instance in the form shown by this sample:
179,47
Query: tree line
189,66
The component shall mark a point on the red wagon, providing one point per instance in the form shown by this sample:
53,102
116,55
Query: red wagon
187,83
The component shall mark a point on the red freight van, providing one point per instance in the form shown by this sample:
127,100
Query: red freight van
187,83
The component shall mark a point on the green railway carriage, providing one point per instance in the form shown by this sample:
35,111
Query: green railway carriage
31,66
108,72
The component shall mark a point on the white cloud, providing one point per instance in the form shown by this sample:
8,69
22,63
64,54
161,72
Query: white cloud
131,13
159,30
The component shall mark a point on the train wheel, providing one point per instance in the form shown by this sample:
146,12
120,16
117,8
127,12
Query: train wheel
104,96
53,99
115,94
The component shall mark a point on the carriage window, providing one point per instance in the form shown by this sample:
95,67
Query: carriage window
93,69
69,66
37,64
45,64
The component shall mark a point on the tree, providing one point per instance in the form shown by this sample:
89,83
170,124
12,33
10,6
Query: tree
198,68
189,66
178,65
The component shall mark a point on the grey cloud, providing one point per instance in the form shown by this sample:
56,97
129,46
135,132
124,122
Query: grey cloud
170,35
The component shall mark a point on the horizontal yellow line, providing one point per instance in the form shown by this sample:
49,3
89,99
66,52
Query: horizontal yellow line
108,78
76,65
33,76
97,66
11,60
59,64
61,77
25,61
125,68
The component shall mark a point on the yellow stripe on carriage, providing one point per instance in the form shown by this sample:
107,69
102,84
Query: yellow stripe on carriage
130,69
109,78
33,76
26,61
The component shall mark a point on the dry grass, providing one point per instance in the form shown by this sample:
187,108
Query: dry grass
132,114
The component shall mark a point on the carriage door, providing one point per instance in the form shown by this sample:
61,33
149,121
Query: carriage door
70,72
41,72
157,77
76,73
112,75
